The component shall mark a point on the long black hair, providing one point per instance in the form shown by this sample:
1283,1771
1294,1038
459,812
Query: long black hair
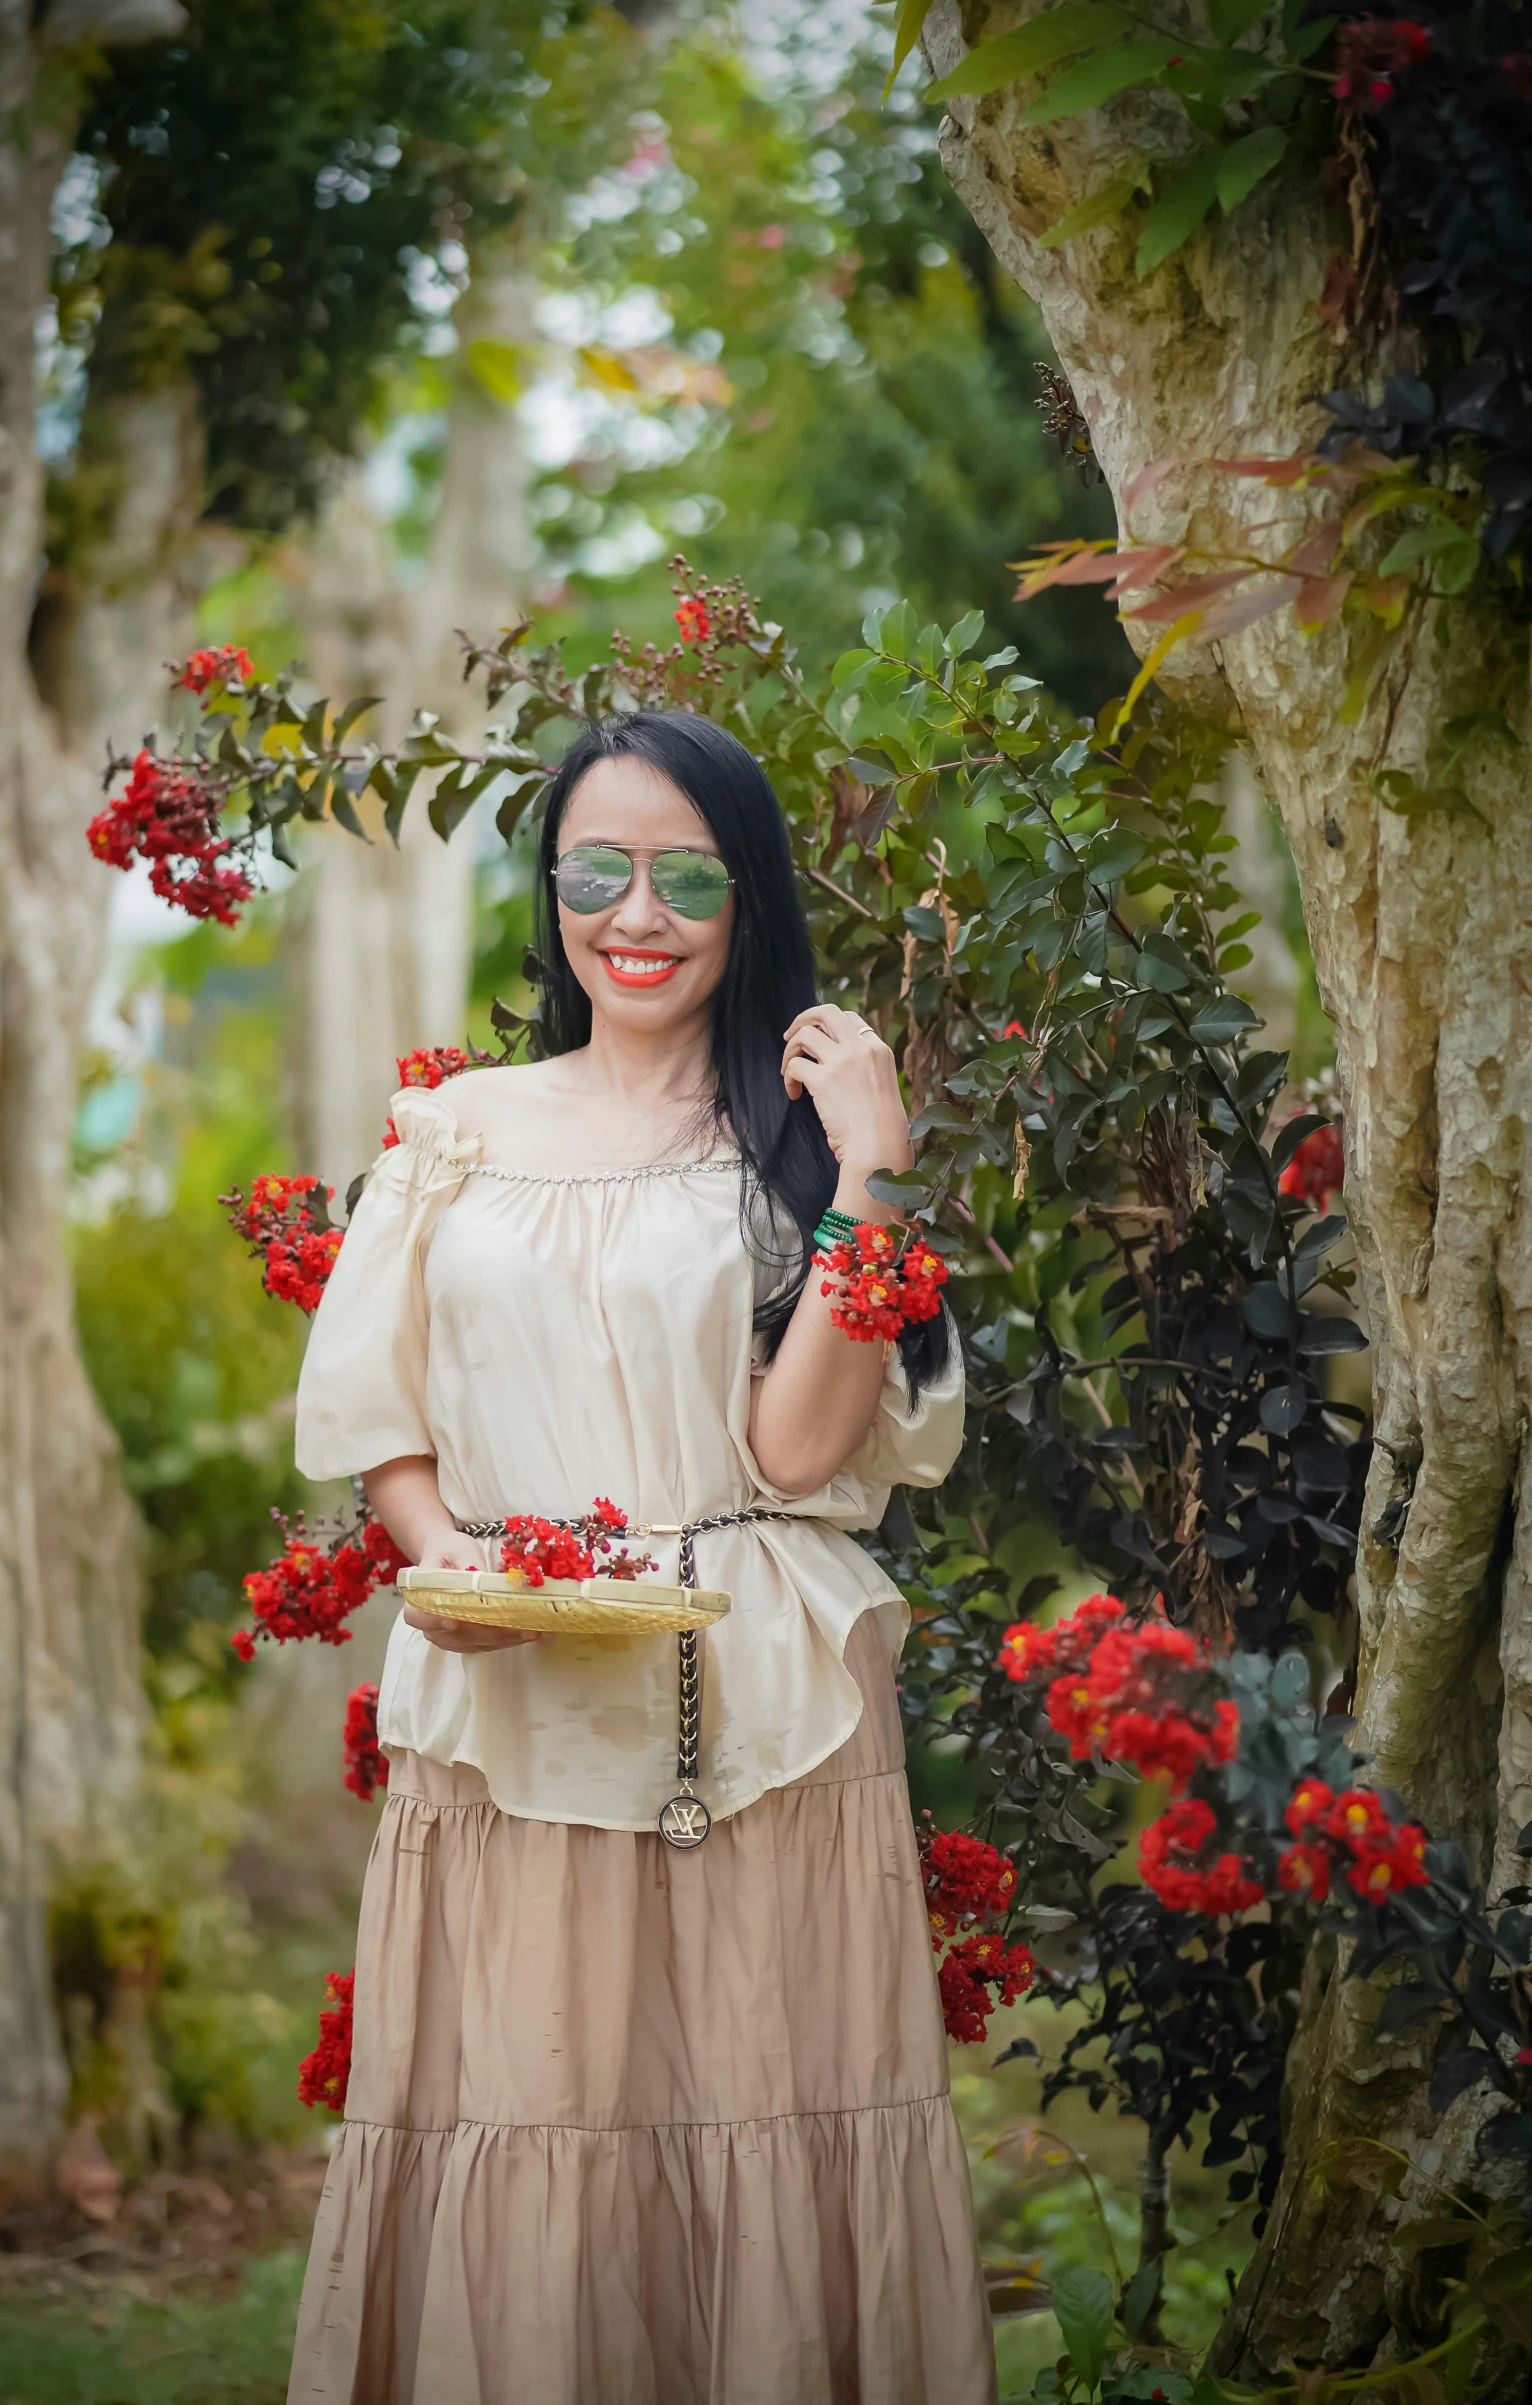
768,978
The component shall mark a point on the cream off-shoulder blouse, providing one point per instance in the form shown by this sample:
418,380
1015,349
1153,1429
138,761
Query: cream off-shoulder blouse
551,1339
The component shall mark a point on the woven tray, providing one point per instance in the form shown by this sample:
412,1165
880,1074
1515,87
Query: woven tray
573,1607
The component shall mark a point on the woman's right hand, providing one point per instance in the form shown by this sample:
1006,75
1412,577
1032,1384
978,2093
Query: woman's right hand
461,1636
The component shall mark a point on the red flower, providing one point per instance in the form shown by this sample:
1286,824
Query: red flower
878,1290
1172,1858
168,815
431,1065
366,1765
1382,1868
1025,1648
695,624
536,1549
972,1967
1356,1817
1369,52
965,1878
324,2075
310,1588
1128,1697
1305,1871
287,1225
1317,1170
1311,1799
221,664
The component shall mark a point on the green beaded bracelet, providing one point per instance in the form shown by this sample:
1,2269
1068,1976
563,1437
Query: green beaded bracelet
835,1227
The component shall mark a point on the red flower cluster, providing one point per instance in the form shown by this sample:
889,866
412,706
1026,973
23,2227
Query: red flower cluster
366,1763
287,1228
536,1549
429,1065
967,1882
220,664
965,1879
970,1970
310,1588
1174,1857
694,622
1123,1691
1317,1170
1025,1648
1369,52
170,818
324,2075
879,1290
1380,1855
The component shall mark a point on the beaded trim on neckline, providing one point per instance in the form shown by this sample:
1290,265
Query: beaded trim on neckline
600,1177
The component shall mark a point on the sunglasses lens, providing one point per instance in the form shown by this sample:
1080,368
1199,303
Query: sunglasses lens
592,878
695,885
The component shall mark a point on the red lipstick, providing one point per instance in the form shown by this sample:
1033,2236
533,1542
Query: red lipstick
640,977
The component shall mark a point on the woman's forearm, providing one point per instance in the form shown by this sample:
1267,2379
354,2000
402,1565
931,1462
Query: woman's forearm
407,1499
820,1396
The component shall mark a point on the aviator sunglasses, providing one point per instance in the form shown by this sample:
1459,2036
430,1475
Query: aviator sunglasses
595,876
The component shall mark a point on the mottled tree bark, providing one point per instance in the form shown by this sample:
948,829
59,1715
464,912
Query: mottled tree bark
69,1552
1422,935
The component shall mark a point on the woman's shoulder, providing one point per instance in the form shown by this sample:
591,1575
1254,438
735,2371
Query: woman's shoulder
485,1102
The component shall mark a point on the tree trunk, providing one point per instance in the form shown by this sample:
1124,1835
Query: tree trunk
1421,928
70,1573
387,936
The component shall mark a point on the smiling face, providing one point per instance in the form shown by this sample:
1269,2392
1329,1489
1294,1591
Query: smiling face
645,967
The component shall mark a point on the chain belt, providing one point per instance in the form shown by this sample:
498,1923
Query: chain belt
684,1820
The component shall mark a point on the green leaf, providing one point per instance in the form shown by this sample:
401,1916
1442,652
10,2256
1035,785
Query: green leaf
500,367
1457,568
1221,1021
1419,543
895,630
343,811
1139,2297
1099,79
1163,966
964,635
1329,1335
908,25
871,772
1053,34
1289,1138
1306,39
1113,853
1179,210
351,713
1245,162
1084,2310
1100,208
1282,1409
1231,18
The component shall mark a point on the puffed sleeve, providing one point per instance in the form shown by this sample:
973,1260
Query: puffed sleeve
919,1447
362,1391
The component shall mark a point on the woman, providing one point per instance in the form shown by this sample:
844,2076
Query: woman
630,2124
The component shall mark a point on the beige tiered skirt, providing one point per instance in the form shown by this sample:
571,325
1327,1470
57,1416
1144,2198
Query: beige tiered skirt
633,2127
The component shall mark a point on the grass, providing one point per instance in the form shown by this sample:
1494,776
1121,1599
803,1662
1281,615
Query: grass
129,2351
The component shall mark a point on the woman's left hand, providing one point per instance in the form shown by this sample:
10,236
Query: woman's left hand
846,1068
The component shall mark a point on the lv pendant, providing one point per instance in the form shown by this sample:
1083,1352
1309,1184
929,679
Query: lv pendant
685,1820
